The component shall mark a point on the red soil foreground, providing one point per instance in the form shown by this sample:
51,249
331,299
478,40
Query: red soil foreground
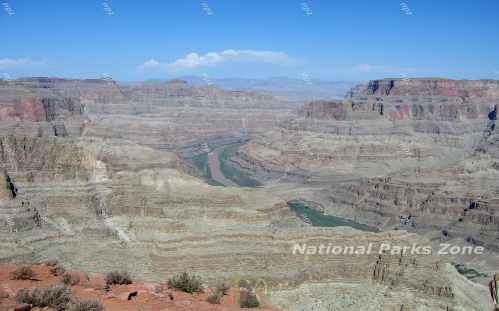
150,296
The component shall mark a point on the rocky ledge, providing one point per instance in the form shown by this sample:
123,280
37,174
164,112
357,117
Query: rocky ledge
136,296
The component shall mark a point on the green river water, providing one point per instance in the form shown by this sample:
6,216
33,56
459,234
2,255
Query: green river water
319,219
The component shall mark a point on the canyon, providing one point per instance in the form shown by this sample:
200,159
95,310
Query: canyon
417,155
158,178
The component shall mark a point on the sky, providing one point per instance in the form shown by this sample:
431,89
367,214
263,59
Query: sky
328,39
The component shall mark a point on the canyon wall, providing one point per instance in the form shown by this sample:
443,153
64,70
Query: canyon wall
411,154
113,190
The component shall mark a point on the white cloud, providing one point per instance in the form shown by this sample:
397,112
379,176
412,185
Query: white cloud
8,63
195,60
382,69
152,63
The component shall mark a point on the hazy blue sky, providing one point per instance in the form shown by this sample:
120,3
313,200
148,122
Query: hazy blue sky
354,40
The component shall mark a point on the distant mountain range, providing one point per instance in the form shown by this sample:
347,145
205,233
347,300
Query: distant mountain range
292,88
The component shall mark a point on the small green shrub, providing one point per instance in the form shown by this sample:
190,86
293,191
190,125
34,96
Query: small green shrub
85,305
245,284
57,271
223,288
215,298
57,297
22,273
52,263
107,288
220,291
70,279
250,302
118,278
186,283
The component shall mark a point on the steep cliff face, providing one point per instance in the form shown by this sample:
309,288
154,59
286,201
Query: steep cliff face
61,108
42,117
439,110
324,110
429,87
417,99
5,189
29,110
38,155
